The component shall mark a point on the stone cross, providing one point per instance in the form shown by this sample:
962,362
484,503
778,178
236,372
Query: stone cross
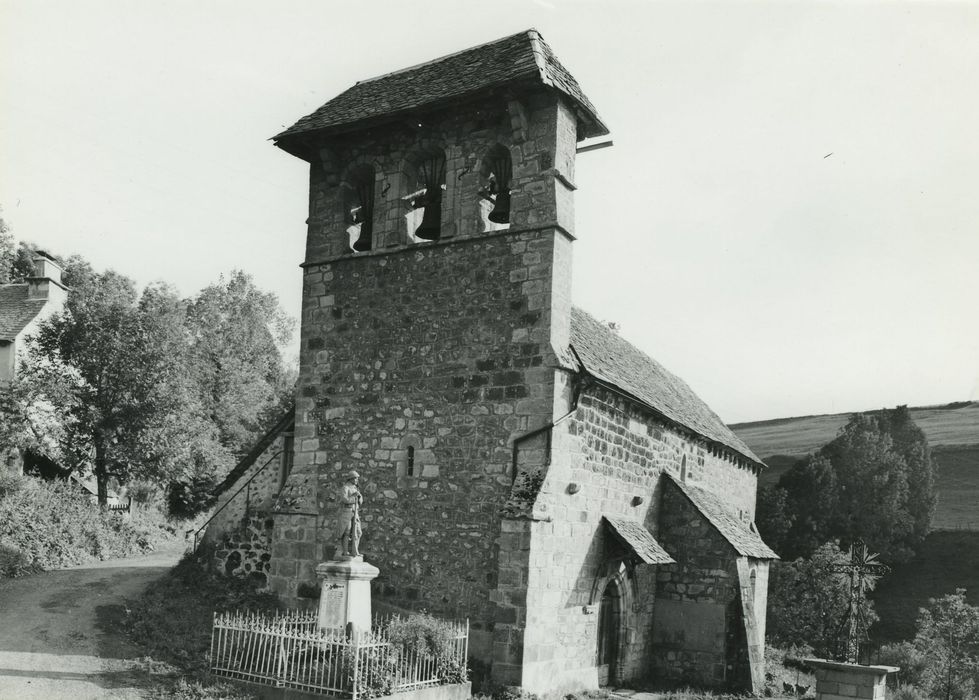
862,569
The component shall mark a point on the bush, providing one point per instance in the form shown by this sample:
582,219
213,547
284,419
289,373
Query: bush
905,656
10,482
908,692
51,525
13,562
425,635
186,499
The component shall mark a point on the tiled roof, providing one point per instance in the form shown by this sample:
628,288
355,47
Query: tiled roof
608,357
520,58
16,310
745,540
639,540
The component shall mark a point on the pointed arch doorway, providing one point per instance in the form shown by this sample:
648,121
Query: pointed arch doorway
609,631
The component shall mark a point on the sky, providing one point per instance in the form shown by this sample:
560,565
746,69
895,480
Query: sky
788,218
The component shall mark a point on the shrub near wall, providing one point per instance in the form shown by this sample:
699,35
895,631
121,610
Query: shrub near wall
46,525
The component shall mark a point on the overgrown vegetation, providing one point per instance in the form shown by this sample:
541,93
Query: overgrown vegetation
874,482
807,602
143,384
942,662
47,525
172,621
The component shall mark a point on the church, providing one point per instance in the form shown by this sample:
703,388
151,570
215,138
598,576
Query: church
522,465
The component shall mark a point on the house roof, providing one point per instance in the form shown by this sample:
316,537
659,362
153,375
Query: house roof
522,58
637,538
745,540
16,310
613,360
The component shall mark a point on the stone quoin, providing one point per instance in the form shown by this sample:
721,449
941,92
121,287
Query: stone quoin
521,464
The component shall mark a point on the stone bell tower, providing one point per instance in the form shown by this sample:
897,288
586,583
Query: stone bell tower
435,321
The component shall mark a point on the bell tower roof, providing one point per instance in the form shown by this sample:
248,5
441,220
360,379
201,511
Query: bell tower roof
520,60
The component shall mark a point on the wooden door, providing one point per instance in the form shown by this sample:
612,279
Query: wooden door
609,627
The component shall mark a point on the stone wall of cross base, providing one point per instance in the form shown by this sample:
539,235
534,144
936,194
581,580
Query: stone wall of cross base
836,680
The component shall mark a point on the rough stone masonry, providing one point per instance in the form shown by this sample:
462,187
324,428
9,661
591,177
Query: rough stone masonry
522,465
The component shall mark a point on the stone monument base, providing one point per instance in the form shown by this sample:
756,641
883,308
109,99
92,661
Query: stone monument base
836,680
345,595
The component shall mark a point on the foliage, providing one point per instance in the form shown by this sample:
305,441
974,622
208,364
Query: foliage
948,640
874,482
49,525
185,499
173,618
7,250
29,419
236,331
128,391
424,634
807,602
908,658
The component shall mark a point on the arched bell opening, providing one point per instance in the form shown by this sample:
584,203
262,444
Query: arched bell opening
496,173
358,207
425,186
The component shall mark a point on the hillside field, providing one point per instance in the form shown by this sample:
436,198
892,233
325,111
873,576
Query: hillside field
952,431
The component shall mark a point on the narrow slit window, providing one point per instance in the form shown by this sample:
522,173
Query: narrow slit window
410,468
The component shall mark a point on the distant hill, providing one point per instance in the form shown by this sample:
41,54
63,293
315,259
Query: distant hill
952,431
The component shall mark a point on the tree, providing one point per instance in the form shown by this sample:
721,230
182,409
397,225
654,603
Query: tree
948,638
8,250
812,496
774,517
236,334
29,419
807,602
874,482
128,358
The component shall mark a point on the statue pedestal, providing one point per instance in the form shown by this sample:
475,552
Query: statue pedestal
345,595
836,680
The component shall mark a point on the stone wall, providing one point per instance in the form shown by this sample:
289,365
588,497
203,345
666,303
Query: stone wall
611,453
246,550
698,629
236,504
440,353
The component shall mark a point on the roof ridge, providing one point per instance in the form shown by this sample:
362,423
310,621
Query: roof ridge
447,56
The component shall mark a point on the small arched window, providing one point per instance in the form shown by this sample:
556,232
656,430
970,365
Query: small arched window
496,172
683,469
358,207
425,173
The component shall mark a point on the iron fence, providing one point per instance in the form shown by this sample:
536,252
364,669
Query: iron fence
290,650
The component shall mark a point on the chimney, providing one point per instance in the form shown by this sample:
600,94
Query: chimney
46,282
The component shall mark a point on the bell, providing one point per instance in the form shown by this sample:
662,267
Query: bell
431,225
364,240
501,208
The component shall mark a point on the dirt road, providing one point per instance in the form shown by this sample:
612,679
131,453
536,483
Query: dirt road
61,631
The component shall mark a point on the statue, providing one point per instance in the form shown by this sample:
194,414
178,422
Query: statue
348,519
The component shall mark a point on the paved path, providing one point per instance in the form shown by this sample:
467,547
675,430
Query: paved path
61,631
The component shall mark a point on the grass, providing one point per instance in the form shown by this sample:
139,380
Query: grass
171,623
952,432
947,560
958,488
945,426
